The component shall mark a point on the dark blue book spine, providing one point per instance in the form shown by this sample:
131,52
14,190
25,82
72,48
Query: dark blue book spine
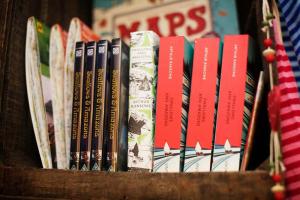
100,105
76,110
87,106
118,107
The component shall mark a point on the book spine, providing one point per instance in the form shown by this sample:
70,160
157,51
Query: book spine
114,105
172,104
187,74
87,106
123,119
117,144
142,90
43,37
99,107
252,126
230,116
76,108
202,106
248,105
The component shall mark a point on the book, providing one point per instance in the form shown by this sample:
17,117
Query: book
235,104
252,125
87,106
38,87
118,116
57,50
78,31
201,117
100,107
77,106
174,75
192,18
142,94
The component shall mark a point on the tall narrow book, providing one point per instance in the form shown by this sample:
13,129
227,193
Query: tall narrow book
78,31
38,89
76,109
142,90
57,52
87,106
252,125
202,105
235,104
100,111
174,74
118,116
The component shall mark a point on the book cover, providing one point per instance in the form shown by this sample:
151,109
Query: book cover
191,18
252,125
174,75
76,105
38,89
118,116
57,51
202,105
235,104
78,31
87,106
100,111
142,94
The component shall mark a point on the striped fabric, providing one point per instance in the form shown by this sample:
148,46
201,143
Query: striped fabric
290,52
289,121
290,26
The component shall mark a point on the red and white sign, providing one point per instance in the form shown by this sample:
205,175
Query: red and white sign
191,18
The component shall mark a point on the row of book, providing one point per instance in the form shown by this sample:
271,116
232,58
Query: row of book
162,104
49,67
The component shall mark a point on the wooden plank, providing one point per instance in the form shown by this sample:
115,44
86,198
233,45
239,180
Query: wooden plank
42,183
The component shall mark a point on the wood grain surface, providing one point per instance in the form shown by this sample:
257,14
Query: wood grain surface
65,184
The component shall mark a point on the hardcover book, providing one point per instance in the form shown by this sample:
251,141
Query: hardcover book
38,89
142,91
192,18
174,75
202,105
87,106
235,104
78,31
118,116
57,51
76,105
100,111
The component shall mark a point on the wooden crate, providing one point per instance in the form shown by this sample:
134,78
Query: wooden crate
20,177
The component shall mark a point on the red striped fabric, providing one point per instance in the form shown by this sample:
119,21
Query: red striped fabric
290,122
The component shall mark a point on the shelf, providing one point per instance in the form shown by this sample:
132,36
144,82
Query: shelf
30,183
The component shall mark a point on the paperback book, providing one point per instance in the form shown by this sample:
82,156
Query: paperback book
118,116
174,76
57,50
78,31
77,106
38,87
100,107
142,94
201,117
235,104
87,106
252,125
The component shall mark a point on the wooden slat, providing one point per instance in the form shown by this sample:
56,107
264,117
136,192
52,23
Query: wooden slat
38,183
